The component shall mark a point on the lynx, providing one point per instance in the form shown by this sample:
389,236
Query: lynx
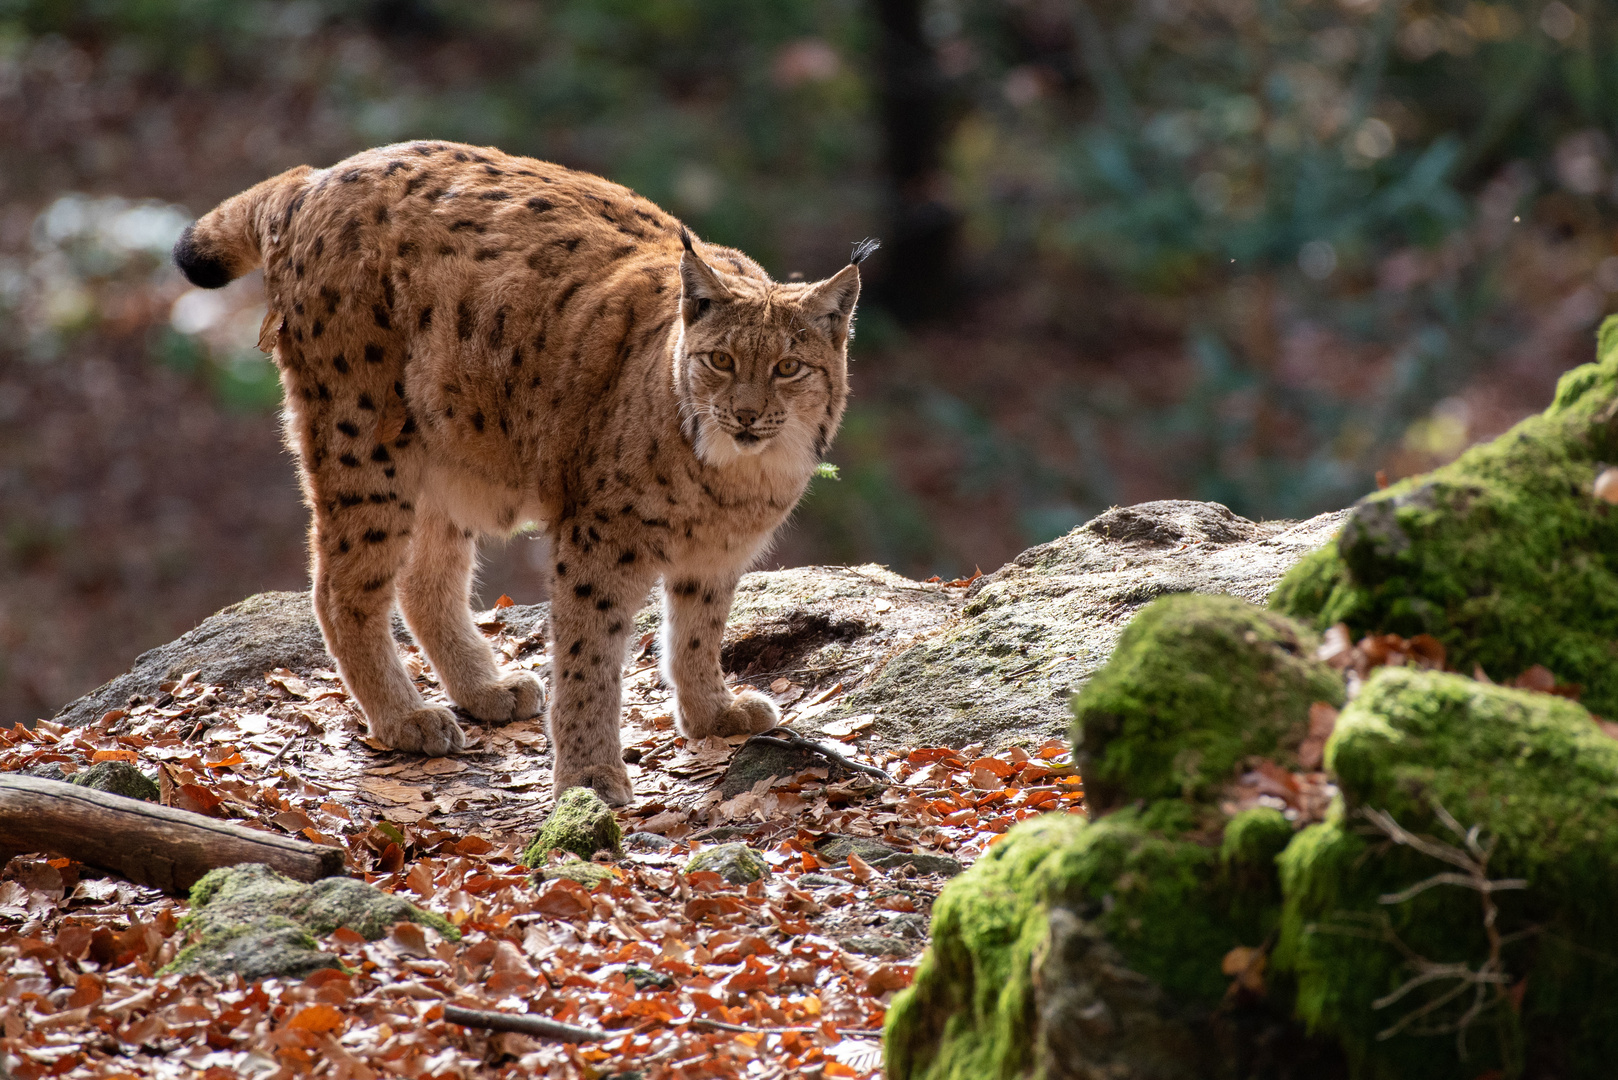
470,342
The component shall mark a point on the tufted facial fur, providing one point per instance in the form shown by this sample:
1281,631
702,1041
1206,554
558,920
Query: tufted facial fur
469,342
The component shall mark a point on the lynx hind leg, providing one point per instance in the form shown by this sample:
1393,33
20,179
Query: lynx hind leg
592,615
354,605
435,595
694,613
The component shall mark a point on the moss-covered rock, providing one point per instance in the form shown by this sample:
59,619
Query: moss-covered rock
588,874
255,922
1197,684
737,864
1084,949
1539,781
117,778
580,824
1505,554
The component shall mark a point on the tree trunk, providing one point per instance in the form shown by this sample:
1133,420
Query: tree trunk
918,278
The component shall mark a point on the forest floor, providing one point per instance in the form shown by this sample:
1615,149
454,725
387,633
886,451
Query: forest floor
692,977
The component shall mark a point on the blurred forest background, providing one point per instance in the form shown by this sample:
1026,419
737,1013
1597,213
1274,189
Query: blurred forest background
1254,251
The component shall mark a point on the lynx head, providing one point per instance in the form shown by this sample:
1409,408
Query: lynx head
761,367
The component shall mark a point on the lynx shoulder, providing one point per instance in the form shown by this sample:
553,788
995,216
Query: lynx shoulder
470,342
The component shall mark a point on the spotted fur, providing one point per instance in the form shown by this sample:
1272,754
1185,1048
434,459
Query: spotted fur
470,342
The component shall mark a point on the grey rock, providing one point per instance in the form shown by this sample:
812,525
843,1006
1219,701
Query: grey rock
737,864
117,778
820,881
880,945
1029,635
910,925
251,921
764,759
647,841
233,647
835,849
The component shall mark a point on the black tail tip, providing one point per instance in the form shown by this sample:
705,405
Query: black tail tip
200,268
864,250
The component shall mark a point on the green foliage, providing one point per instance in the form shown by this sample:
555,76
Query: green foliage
1505,554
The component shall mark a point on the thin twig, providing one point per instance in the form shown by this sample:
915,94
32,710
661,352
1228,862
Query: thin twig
541,1027
745,1029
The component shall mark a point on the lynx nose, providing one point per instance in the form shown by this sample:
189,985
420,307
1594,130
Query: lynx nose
745,417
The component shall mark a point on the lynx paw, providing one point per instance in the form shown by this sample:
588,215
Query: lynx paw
431,730
747,714
609,780
515,696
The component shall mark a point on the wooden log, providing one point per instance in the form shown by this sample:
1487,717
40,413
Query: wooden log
541,1027
141,841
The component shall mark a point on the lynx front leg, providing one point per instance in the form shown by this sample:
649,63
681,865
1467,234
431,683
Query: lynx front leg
435,593
694,613
592,613
354,605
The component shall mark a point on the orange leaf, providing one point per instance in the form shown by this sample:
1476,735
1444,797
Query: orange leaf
504,601
564,899
860,868
114,755
87,991
227,762
317,1018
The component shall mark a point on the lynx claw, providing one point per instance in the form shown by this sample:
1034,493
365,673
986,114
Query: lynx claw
516,696
430,730
610,781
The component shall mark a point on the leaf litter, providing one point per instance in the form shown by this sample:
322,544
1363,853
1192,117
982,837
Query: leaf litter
687,975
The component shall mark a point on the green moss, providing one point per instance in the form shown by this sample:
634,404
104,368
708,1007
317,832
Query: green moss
738,864
1504,554
581,824
117,778
255,922
1197,684
1539,780
1164,903
588,874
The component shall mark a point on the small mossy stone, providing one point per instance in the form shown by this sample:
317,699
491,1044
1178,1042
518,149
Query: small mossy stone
737,864
1197,685
645,978
1538,780
256,922
117,778
880,945
820,881
1505,554
835,849
369,912
580,824
588,874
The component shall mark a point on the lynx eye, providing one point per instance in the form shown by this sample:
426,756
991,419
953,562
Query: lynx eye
788,368
721,361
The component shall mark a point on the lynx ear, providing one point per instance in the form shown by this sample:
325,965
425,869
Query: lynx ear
830,304
700,287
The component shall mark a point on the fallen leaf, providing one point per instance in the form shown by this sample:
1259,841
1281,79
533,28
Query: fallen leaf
318,1018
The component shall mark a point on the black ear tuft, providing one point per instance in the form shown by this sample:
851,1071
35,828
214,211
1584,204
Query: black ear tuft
200,268
685,238
864,250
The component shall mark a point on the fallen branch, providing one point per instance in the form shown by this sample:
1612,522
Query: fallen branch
141,841
540,1027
